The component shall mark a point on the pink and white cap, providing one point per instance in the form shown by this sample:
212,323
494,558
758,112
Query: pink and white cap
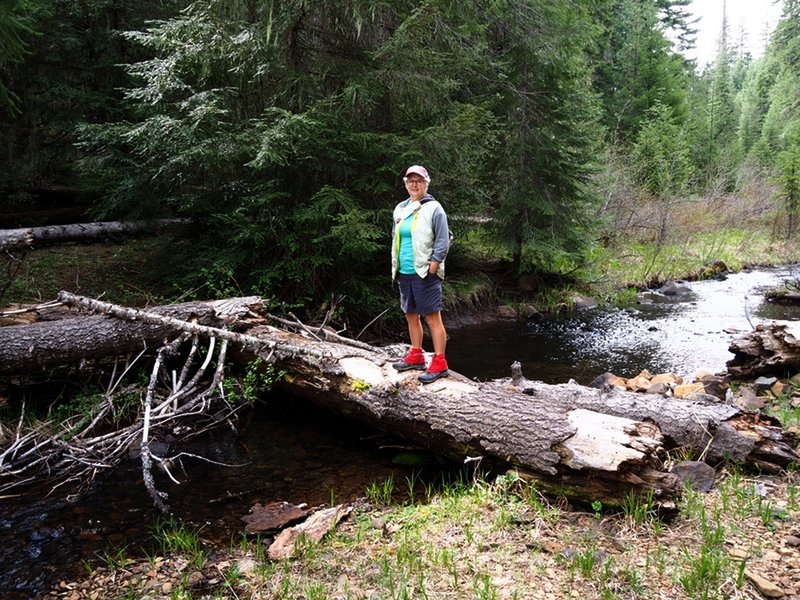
419,170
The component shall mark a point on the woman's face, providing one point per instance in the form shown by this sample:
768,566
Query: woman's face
416,186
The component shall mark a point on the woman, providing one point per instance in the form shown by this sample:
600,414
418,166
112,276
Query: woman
421,239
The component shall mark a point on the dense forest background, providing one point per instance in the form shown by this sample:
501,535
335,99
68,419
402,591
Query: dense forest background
282,127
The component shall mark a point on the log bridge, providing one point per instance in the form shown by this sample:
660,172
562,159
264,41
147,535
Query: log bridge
573,440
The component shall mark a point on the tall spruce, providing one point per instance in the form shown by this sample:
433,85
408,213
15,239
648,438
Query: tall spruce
722,116
635,64
17,19
549,134
781,125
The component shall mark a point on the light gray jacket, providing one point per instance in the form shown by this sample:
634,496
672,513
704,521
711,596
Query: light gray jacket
430,234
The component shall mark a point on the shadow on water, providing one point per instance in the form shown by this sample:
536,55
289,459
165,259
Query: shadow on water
680,333
289,451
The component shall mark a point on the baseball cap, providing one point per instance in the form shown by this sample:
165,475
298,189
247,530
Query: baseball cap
419,170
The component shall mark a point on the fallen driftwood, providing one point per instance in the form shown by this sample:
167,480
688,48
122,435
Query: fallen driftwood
575,440
783,296
311,530
772,349
20,238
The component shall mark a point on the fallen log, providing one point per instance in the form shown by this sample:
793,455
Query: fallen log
28,236
47,344
598,445
783,296
772,349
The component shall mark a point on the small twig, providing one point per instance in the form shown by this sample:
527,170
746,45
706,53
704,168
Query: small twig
302,326
335,300
38,307
188,363
371,322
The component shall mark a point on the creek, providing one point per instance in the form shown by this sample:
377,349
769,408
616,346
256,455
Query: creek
678,333
290,451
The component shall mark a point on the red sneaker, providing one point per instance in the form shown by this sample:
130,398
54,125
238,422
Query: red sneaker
437,369
415,359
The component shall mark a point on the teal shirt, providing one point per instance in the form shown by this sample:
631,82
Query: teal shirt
406,255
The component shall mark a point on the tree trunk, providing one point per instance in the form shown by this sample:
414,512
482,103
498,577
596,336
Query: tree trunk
47,344
18,238
600,445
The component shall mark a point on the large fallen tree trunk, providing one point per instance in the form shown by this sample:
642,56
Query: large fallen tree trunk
602,444
577,440
19,238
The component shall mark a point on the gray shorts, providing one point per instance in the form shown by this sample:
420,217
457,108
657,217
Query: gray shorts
420,296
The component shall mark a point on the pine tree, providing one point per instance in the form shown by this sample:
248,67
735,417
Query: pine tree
635,66
16,29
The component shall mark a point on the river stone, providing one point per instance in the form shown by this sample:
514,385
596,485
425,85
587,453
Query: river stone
687,389
582,303
638,384
506,312
747,399
695,474
714,385
668,378
766,587
529,312
606,381
661,388
762,384
674,288
273,516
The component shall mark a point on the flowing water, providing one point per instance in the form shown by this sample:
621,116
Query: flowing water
663,333
291,452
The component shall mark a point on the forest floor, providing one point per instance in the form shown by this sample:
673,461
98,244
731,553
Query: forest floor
496,540
488,537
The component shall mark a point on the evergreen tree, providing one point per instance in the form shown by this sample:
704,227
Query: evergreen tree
782,120
660,157
16,27
550,130
284,127
789,181
722,112
66,74
635,66
754,101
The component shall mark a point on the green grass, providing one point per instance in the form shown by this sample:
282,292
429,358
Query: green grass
501,538
175,537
